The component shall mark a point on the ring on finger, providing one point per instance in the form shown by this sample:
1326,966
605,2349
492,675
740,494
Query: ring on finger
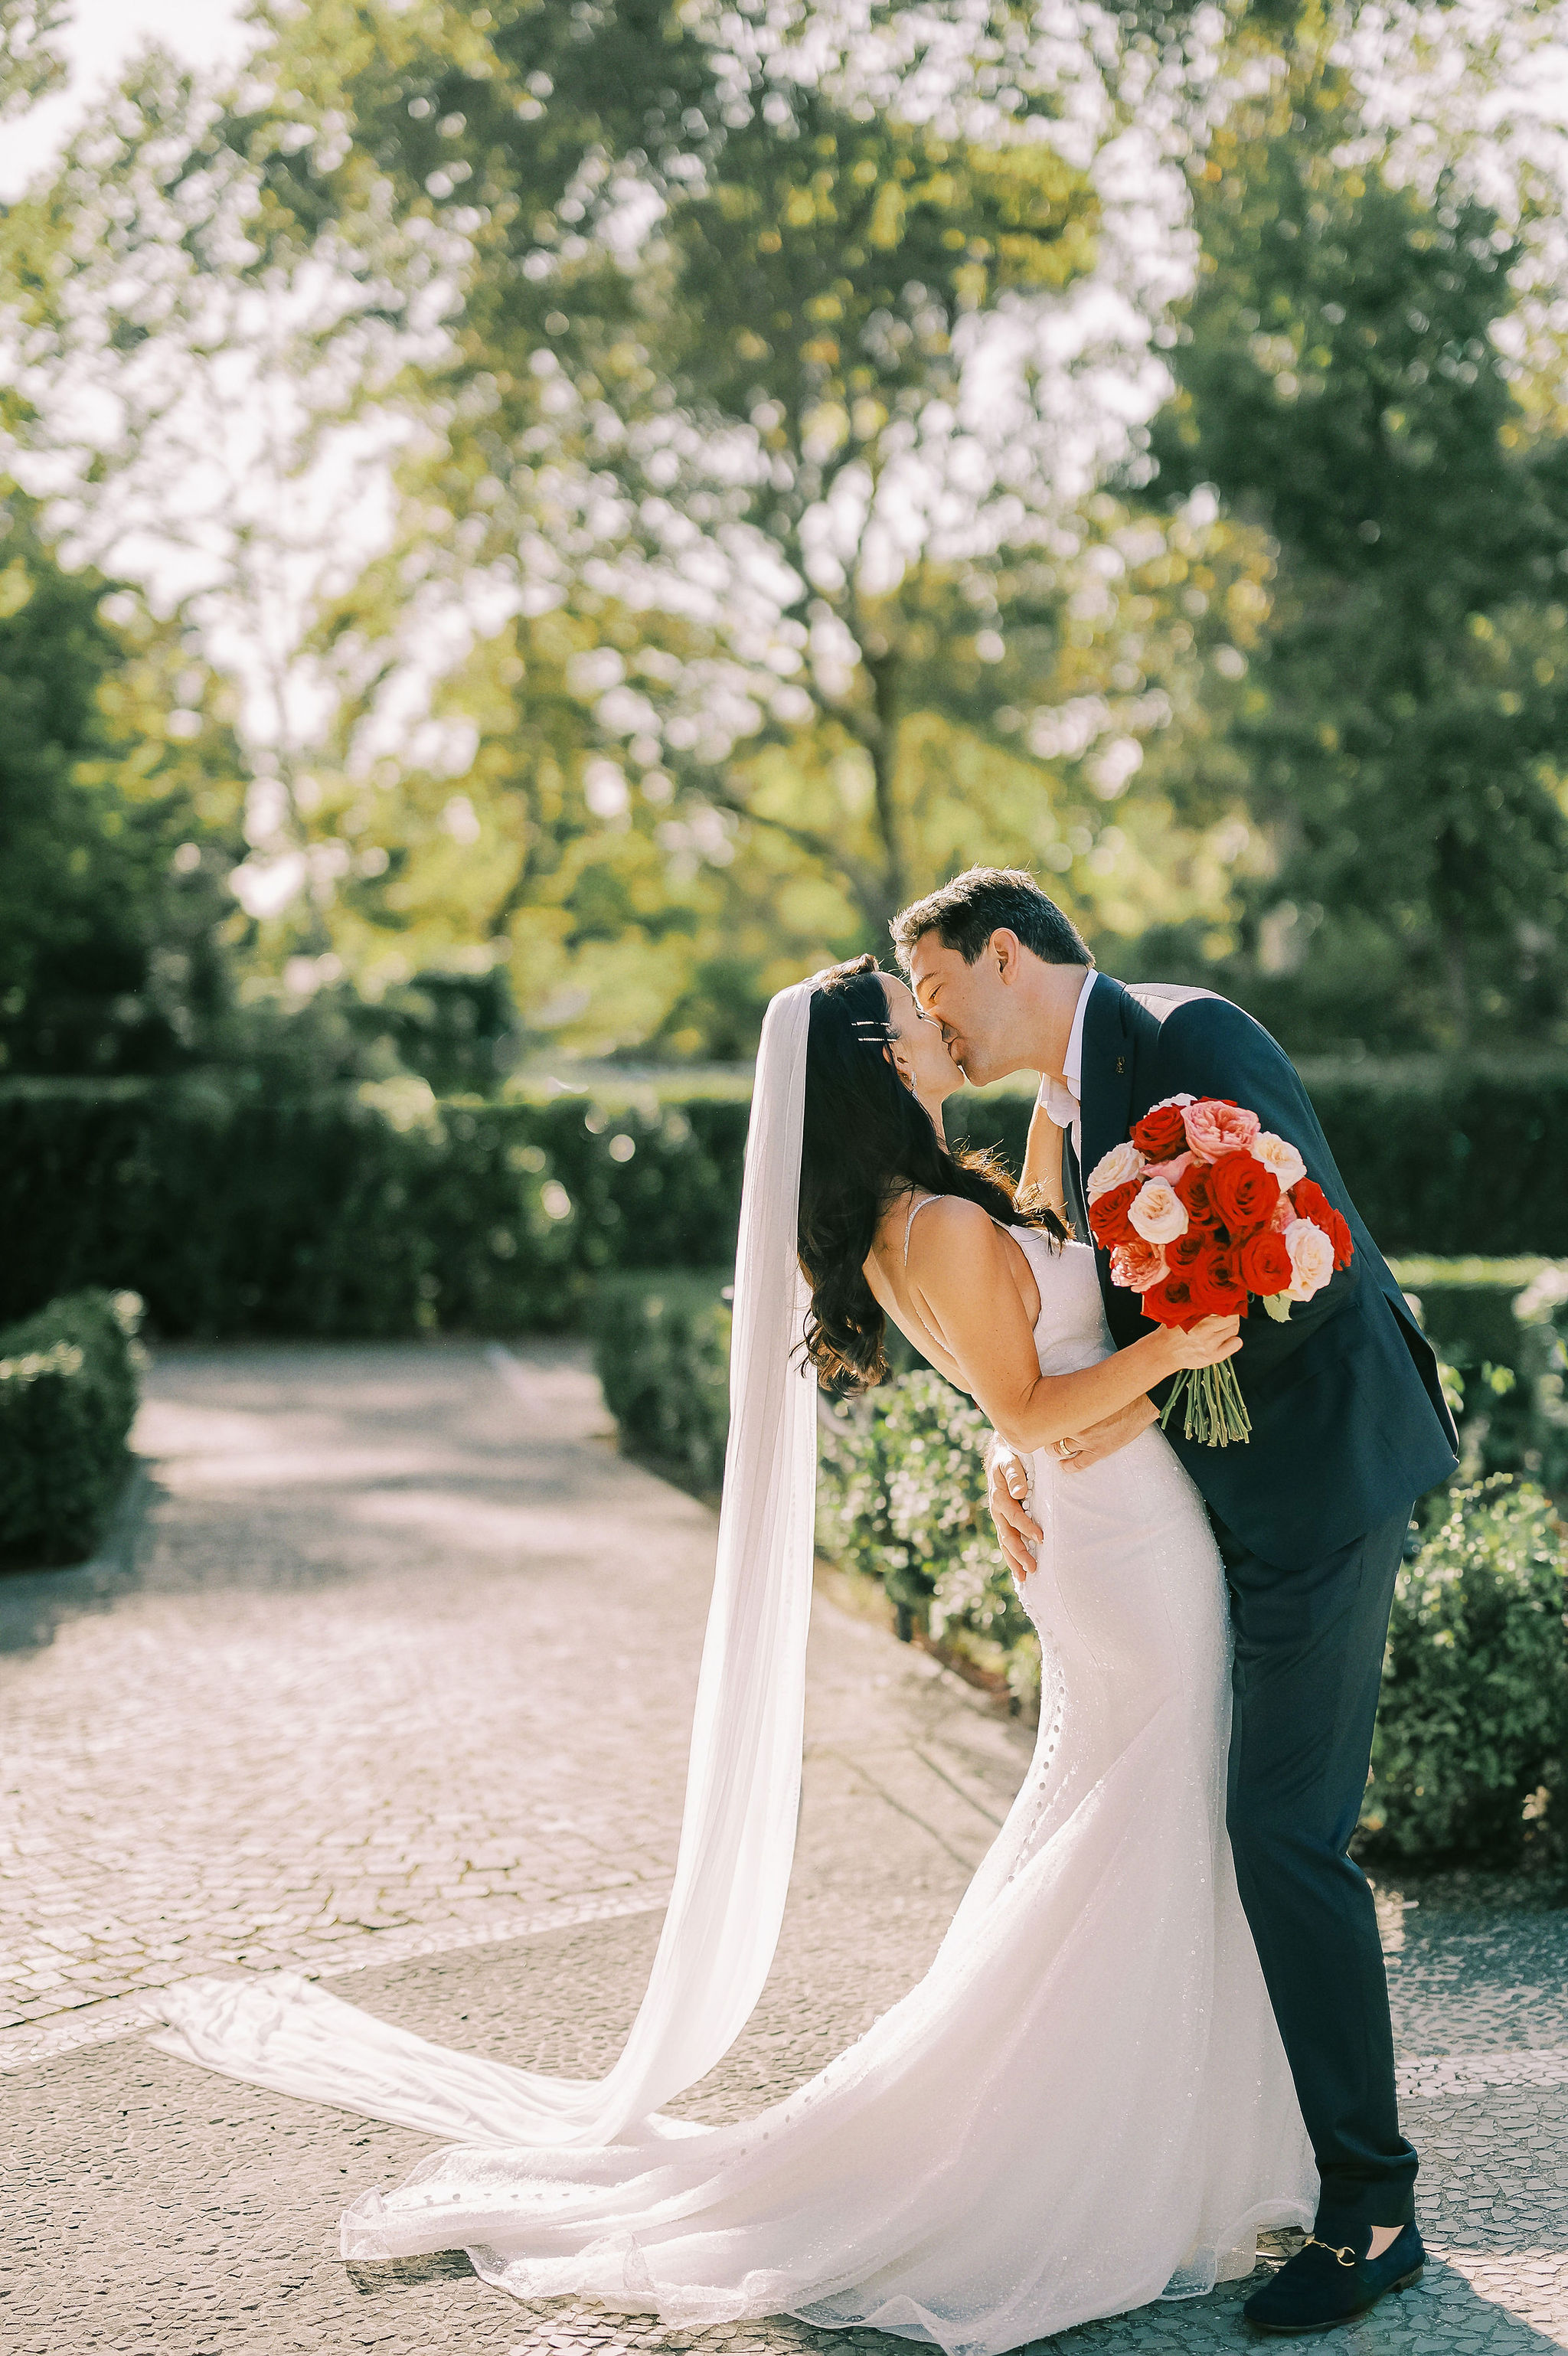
1066,1451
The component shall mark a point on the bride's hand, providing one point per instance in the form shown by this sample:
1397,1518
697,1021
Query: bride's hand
1207,1344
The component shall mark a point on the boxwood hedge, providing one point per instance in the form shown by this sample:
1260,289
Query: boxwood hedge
379,1209
68,1399
1472,1735
375,1210
1472,1738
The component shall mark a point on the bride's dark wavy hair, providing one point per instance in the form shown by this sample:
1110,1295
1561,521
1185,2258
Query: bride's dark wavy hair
866,1139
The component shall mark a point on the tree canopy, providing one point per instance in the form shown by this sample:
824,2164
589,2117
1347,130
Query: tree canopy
646,487
1345,380
113,791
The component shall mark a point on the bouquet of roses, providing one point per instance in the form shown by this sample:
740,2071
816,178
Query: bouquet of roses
1201,1209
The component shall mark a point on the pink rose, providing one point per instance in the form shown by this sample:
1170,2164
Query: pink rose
1158,1213
1285,1210
1137,1266
1311,1257
1214,1127
1167,1172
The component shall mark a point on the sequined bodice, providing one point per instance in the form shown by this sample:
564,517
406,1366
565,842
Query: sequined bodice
1070,1330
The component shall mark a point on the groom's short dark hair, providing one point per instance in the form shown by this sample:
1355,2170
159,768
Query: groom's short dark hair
986,900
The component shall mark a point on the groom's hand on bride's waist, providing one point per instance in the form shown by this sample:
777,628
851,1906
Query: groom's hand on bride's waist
1018,1532
1103,1440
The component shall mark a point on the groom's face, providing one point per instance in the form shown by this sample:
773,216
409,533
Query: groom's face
969,1001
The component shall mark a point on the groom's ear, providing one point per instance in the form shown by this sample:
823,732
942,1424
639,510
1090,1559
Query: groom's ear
1005,952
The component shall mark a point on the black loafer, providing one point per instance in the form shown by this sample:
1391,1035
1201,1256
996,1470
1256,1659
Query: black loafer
1322,2287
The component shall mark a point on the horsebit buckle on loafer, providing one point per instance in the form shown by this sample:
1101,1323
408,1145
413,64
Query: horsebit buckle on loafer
1346,2255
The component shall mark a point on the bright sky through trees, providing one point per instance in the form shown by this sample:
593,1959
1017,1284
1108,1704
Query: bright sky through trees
99,39
653,495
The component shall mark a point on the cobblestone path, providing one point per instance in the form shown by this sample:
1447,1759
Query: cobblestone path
388,1674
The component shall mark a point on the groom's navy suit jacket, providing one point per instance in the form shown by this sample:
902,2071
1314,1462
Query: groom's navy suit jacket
1350,1425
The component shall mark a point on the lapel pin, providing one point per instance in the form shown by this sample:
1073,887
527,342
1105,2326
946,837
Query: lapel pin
1120,1062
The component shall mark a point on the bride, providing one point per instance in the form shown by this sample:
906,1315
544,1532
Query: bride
1085,2105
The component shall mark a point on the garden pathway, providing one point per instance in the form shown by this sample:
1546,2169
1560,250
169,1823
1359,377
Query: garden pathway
386,1674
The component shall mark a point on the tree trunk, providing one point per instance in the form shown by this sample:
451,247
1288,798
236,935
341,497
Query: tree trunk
883,747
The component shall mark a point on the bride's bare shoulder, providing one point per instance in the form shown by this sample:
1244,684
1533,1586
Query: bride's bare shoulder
949,1228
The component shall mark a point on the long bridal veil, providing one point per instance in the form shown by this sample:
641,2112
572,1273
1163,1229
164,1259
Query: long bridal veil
737,1841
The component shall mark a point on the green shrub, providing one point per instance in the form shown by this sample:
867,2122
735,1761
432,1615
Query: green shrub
1429,1200
1473,1717
68,1399
1540,1316
902,1499
661,1347
900,1486
1473,1721
236,1203
1449,1159
1493,1322
373,1210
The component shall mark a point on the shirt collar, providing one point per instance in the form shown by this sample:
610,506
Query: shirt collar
1072,1062
1062,1097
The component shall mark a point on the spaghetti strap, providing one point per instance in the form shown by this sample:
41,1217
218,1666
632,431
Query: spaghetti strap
909,1221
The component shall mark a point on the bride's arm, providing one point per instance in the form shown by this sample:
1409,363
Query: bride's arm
1042,1163
958,1269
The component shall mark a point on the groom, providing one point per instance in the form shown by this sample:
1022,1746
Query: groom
1350,1428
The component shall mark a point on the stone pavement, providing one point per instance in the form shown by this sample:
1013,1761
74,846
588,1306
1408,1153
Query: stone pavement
388,1676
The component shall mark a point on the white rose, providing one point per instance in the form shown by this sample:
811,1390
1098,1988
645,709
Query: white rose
1118,1168
1177,1101
1158,1213
1311,1257
1278,1154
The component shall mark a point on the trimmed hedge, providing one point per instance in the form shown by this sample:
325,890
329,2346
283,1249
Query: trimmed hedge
1440,1159
661,1350
901,1491
365,1211
68,1399
902,1499
1472,1734
378,1209
1472,1738
1501,1328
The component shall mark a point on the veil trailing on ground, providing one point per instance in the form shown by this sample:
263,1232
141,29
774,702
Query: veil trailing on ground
737,1841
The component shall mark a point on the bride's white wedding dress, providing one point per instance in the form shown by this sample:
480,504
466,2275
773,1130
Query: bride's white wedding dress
1084,2105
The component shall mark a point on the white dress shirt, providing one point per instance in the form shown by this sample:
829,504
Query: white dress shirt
1062,1098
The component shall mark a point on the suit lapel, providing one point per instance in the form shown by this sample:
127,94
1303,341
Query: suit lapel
1072,1189
1106,1082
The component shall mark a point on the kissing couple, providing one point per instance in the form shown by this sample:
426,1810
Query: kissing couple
1160,2022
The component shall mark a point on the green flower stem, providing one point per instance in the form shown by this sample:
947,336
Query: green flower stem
1216,1413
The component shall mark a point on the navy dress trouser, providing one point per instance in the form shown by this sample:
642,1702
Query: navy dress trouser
1308,1657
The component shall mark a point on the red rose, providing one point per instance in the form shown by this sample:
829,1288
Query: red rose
1192,1194
1243,1192
1171,1303
1108,1221
1187,1250
1265,1264
1312,1203
1161,1134
1217,1286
